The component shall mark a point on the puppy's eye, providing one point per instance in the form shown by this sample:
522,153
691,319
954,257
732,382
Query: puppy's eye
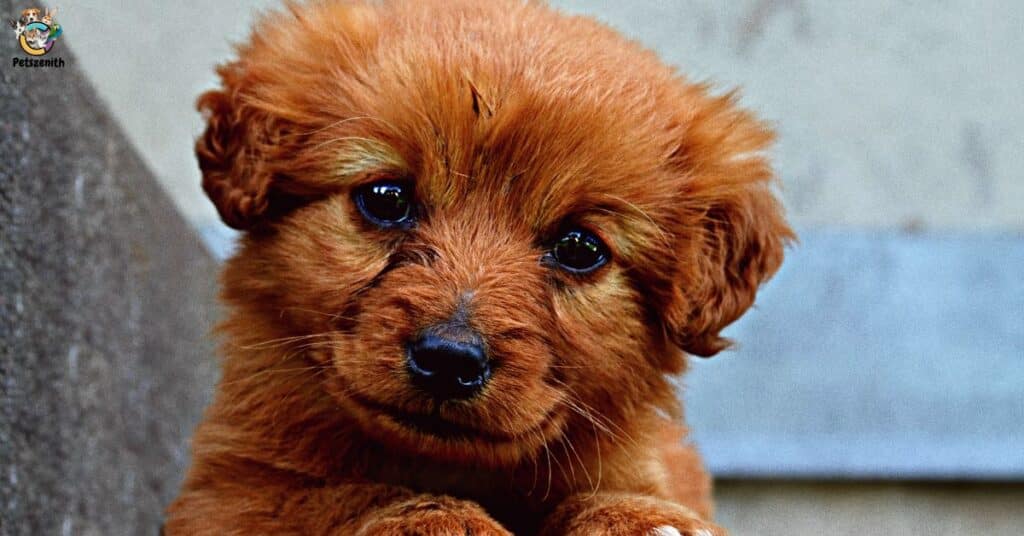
580,251
386,203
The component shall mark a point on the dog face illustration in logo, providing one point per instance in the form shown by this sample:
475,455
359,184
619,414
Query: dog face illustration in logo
36,31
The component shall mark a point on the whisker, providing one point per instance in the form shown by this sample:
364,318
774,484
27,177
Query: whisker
270,371
547,492
313,311
561,469
568,459
332,141
272,343
605,421
583,466
342,121
600,463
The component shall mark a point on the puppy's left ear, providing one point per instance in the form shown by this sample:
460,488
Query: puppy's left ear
733,229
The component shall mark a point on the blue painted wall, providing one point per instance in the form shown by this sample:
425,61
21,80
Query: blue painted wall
874,354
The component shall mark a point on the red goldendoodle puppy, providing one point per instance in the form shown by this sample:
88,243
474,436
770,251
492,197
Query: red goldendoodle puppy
480,237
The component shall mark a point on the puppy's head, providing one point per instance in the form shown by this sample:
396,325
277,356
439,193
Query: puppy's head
491,223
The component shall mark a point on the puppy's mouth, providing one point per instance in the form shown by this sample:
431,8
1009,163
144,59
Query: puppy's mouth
455,433
434,424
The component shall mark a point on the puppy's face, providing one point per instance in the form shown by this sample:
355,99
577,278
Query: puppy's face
490,235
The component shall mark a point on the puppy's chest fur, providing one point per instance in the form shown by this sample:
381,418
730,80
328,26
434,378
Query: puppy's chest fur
511,496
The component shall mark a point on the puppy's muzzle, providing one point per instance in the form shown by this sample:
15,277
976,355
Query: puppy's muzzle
448,363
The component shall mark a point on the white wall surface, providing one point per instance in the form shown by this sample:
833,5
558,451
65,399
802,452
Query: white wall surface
891,114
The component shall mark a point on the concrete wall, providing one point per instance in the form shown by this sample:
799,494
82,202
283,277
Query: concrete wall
106,296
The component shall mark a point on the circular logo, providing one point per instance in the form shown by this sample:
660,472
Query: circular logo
38,38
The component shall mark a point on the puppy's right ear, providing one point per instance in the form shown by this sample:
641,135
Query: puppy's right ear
234,156
251,154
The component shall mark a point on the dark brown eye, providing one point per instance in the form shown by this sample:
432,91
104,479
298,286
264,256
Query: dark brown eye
386,203
580,251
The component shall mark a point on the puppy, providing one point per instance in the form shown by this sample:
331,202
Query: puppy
30,15
479,239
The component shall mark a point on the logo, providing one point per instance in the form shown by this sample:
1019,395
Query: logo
36,31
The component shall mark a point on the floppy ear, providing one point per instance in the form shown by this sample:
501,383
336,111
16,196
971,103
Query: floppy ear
253,155
734,232
236,155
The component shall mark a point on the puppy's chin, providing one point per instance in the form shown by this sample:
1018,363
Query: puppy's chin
437,432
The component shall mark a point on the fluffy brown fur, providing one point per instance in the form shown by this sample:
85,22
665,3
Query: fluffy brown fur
511,119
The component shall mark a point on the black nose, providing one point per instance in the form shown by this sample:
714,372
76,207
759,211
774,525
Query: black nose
447,368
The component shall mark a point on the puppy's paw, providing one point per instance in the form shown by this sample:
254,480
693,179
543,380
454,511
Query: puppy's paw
432,516
628,515
694,529
690,527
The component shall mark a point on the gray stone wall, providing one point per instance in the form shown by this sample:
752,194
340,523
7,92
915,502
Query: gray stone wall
105,302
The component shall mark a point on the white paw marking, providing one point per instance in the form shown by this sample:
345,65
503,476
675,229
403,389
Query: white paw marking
666,530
